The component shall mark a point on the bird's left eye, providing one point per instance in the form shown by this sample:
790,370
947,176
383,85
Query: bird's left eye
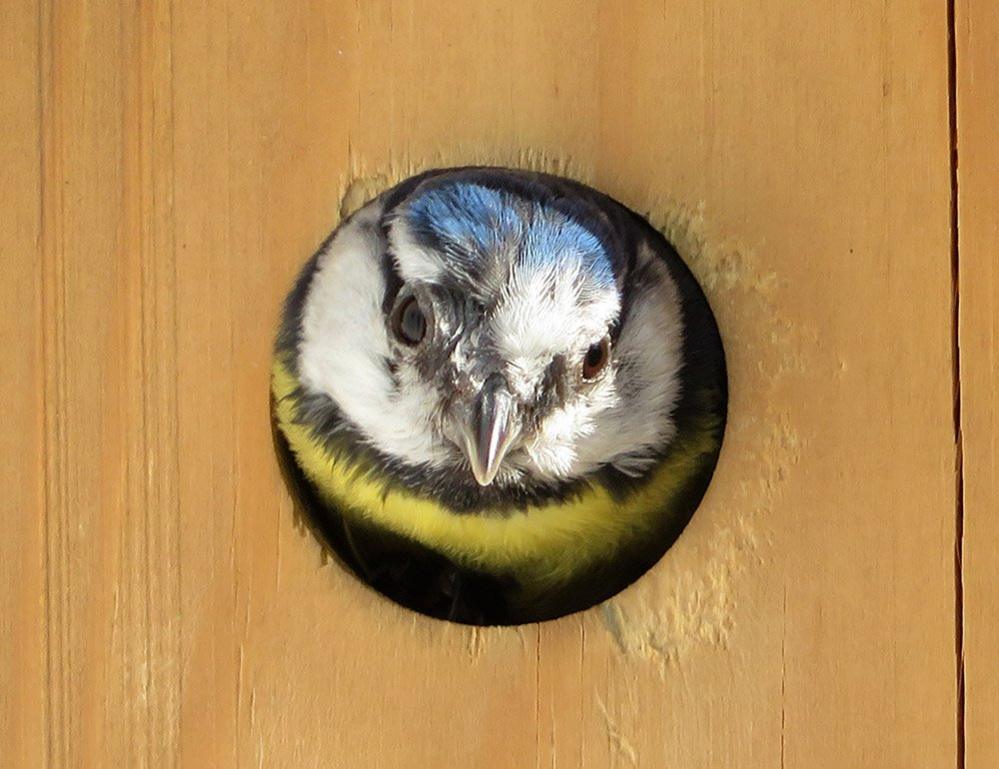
596,358
408,322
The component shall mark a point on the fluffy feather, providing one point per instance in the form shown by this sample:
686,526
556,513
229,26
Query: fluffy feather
548,303
517,275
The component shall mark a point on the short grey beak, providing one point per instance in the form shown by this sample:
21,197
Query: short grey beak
491,430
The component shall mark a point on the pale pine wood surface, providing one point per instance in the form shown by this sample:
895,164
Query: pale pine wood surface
170,166
977,38
22,459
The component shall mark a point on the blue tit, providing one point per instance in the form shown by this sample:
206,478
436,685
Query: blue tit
500,394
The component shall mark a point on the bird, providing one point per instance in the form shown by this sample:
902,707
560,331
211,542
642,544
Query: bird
498,394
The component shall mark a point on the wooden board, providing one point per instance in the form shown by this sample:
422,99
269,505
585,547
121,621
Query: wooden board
977,41
174,163
22,446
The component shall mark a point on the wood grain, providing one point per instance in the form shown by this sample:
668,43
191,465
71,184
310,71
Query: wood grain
174,163
23,727
977,40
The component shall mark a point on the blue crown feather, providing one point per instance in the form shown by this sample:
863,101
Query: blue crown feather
472,223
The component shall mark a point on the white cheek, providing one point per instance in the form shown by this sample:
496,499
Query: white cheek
606,428
630,432
344,347
554,450
417,432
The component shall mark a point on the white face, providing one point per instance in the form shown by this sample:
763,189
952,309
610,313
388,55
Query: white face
530,328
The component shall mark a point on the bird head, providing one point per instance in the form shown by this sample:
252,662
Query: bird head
504,317
491,333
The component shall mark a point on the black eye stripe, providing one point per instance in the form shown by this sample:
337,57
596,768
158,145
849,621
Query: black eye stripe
554,378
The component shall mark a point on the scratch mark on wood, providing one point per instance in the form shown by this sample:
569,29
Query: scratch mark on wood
619,744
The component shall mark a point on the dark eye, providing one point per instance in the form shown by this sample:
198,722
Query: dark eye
596,358
409,323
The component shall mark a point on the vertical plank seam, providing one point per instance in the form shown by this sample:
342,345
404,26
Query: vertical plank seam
60,458
126,580
175,394
43,300
582,680
238,636
537,697
956,379
783,677
146,247
53,304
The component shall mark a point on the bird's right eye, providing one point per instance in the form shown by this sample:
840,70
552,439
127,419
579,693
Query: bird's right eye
596,358
409,324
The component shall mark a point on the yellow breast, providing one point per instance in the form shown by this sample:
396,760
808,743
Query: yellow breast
544,543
